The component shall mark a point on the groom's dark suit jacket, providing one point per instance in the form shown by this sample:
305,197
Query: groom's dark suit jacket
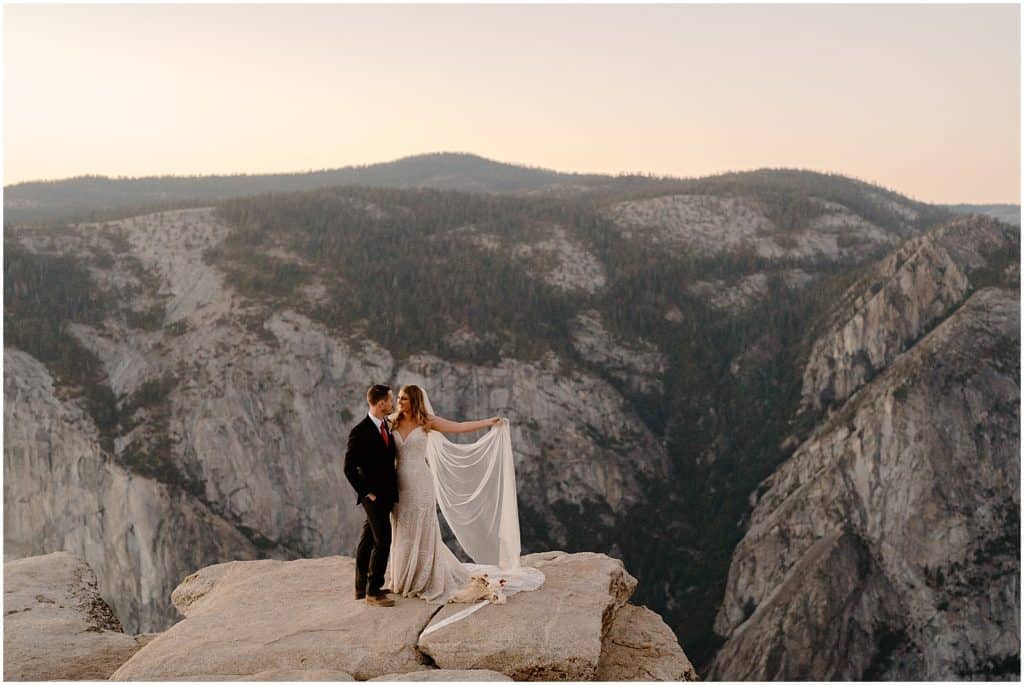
370,464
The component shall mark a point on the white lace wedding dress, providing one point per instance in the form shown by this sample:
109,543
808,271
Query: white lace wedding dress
474,485
419,564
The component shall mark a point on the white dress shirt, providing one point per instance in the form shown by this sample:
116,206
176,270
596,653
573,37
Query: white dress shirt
376,421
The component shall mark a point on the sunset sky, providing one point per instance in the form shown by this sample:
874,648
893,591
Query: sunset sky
923,99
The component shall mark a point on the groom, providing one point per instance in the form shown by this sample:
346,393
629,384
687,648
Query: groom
370,468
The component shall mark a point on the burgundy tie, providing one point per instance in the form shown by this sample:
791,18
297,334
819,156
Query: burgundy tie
384,434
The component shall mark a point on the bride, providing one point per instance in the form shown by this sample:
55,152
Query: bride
474,485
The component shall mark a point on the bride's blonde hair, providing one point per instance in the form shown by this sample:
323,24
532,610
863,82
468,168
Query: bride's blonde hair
416,406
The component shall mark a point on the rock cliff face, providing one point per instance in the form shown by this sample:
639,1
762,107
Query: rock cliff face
252,405
636,363
61,492
887,546
900,299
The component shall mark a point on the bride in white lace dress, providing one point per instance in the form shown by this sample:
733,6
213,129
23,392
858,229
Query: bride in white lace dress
476,487
420,564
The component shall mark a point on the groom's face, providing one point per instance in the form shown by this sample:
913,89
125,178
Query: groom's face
387,404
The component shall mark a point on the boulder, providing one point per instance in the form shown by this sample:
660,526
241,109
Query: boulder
277,674
294,674
553,633
640,646
446,675
56,625
251,617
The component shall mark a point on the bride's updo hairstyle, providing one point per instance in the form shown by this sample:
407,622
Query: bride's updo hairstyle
416,408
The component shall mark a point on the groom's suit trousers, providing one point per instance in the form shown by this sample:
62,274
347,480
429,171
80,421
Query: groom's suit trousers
374,547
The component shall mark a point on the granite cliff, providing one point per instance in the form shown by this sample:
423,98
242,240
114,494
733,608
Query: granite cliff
62,491
887,546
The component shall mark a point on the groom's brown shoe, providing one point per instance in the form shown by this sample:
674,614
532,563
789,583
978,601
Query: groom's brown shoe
380,601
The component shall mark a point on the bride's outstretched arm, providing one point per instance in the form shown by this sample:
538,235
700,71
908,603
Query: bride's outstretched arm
446,426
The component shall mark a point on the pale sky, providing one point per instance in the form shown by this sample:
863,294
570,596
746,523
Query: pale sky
923,99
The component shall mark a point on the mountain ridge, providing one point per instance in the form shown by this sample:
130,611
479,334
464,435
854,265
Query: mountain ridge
98,196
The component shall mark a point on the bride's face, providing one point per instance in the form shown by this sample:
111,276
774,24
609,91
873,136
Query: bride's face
403,403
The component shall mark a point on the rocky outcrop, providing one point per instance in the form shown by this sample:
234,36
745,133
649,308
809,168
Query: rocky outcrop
56,624
272,620
555,633
245,617
268,617
62,492
637,364
554,256
705,223
298,674
713,225
639,646
901,298
560,261
887,546
445,675
747,291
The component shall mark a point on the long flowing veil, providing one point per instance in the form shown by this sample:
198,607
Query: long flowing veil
475,485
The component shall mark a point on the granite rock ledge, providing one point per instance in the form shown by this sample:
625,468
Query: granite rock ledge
297,620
